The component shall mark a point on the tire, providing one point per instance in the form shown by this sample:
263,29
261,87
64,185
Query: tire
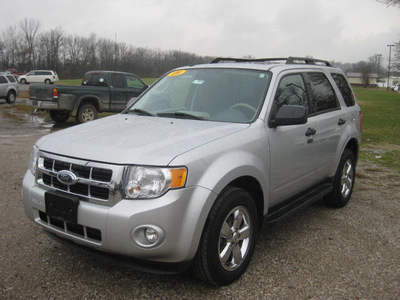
23,81
59,116
11,97
222,235
47,81
87,112
343,182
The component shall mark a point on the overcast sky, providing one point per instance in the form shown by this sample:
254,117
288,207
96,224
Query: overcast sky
339,30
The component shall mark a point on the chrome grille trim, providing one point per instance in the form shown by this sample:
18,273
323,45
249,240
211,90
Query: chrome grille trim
98,183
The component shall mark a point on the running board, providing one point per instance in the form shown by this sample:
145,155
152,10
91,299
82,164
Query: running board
286,208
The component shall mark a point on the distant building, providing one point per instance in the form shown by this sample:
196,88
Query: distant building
357,78
392,81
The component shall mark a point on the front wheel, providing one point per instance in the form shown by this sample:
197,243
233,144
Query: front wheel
229,238
11,97
86,113
23,81
343,183
59,116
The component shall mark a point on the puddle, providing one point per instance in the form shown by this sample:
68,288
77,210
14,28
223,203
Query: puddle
12,118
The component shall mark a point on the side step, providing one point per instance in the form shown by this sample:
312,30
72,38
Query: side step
282,210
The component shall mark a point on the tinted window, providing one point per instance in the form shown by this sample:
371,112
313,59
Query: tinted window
94,79
3,79
11,78
322,93
118,80
344,88
291,91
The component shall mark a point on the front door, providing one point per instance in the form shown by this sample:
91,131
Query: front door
294,148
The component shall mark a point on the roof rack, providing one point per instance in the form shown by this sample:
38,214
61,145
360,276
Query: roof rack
289,60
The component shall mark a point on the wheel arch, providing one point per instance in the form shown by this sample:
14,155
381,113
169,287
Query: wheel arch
253,187
85,100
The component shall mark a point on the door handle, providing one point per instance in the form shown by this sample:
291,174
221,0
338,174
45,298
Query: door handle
310,131
341,122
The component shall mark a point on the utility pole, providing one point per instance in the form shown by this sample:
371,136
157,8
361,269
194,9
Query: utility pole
390,54
379,63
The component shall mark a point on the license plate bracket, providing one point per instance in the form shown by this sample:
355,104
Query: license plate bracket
62,207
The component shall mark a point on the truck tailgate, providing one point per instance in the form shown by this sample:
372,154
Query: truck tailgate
43,92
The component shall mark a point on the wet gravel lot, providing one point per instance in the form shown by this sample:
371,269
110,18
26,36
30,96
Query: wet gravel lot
319,253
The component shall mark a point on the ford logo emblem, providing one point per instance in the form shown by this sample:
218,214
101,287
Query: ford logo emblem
67,177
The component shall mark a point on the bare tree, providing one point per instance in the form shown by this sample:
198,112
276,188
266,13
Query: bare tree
11,39
30,28
390,2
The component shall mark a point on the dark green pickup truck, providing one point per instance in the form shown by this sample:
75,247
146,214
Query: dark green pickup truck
101,91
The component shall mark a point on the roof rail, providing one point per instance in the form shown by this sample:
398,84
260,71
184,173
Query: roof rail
289,60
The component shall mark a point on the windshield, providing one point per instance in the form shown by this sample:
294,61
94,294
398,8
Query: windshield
225,95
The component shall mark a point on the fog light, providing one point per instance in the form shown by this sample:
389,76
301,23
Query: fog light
148,236
151,235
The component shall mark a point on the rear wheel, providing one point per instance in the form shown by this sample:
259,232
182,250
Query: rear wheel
343,182
11,97
87,112
229,237
47,81
59,116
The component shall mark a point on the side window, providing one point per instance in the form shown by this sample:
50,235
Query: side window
344,89
98,80
118,80
3,79
291,91
31,74
322,93
11,78
134,82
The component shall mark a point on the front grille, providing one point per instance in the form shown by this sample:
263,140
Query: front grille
81,231
96,182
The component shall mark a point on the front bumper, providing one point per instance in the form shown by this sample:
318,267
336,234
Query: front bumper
179,214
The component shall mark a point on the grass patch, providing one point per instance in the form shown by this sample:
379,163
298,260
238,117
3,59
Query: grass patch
381,126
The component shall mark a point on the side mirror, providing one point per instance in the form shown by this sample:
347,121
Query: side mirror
289,115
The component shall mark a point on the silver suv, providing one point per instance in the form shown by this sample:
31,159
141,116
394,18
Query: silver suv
188,174
8,87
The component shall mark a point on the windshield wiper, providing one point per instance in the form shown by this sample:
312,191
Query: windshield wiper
141,112
180,114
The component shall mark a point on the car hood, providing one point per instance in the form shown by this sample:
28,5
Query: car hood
132,139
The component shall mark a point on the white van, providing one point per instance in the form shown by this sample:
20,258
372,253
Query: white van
40,76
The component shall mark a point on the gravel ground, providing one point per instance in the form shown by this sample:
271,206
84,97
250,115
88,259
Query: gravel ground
319,253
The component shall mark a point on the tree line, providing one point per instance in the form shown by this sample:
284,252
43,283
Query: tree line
24,47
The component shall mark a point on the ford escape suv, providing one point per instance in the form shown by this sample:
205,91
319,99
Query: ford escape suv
187,175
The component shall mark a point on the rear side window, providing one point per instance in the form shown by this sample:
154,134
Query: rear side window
322,93
11,78
344,89
118,80
95,79
3,79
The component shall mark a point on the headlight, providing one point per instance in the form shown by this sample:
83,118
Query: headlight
152,182
33,159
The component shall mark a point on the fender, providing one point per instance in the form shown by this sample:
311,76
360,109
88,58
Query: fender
91,98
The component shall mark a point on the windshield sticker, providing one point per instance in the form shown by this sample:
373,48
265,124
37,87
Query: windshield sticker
177,73
198,81
262,75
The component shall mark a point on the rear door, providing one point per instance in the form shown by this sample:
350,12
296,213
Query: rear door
331,119
3,86
119,97
293,149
